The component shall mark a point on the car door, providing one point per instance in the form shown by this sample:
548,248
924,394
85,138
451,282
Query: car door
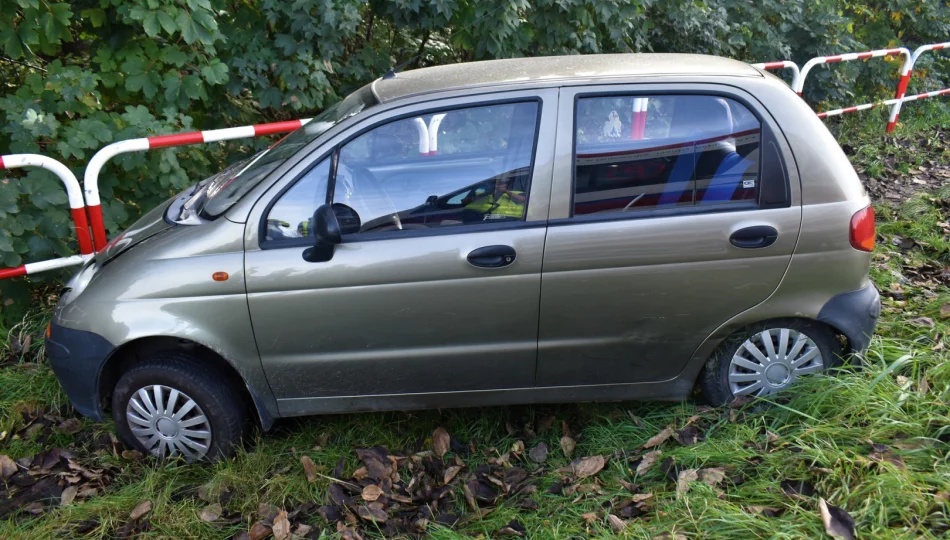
664,225
426,294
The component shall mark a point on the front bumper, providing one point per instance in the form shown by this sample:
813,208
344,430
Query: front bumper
855,315
77,358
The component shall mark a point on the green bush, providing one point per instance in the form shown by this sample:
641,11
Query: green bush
77,75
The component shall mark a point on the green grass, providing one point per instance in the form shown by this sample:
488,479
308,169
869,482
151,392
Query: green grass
825,427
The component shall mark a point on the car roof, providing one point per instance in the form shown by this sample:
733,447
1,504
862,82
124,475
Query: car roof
554,68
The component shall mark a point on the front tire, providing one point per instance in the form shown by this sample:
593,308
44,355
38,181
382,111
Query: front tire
172,405
767,358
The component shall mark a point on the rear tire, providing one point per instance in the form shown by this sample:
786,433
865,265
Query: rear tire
172,404
751,361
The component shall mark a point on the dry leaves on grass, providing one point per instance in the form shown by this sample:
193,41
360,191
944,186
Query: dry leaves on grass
567,446
211,513
648,461
141,510
838,523
309,468
539,453
441,441
587,466
659,438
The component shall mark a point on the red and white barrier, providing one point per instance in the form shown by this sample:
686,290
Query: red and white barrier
77,208
784,64
901,86
905,80
638,122
91,176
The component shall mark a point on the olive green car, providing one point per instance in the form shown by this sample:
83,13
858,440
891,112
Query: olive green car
581,228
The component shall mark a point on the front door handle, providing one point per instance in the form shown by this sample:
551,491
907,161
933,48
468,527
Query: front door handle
759,236
492,256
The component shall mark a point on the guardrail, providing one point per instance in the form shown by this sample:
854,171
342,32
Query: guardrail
90,182
77,209
784,64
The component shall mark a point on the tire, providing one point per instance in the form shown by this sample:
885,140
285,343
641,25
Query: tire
719,379
224,412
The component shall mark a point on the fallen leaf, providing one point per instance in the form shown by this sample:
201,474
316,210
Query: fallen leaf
640,497
648,461
539,453
373,512
259,531
302,530
141,510
685,477
838,523
211,513
945,311
309,468
687,436
659,438
590,518
371,493
766,511
441,441
798,487
567,446
450,473
71,426
513,528
281,527
68,495
616,523
7,467
668,536
588,466
629,486
712,476
923,321
360,473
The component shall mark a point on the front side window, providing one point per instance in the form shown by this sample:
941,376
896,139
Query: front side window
640,153
447,168
292,215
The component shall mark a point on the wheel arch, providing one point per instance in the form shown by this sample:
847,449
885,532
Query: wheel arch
133,352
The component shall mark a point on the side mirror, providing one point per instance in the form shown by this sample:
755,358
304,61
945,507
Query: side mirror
328,232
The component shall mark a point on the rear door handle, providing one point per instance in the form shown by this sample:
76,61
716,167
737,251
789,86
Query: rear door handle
758,236
492,256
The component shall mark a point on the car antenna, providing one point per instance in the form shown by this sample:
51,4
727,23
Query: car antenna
391,74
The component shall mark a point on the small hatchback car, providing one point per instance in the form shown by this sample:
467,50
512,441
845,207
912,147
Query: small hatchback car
580,228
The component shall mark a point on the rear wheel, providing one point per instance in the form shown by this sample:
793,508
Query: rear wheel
768,358
173,405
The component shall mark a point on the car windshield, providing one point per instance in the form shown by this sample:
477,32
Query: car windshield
226,188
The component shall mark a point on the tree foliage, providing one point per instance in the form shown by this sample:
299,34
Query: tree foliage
79,74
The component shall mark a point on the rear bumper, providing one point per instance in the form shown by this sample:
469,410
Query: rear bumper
77,358
854,314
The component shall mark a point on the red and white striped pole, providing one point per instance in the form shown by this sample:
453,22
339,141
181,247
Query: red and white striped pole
784,64
847,58
906,73
91,176
77,208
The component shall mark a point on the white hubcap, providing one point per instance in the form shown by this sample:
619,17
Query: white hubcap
772,360
168,422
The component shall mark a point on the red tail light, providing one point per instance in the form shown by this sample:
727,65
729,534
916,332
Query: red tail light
862,229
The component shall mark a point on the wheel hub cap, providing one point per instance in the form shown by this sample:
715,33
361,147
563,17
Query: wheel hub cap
771,361
168,422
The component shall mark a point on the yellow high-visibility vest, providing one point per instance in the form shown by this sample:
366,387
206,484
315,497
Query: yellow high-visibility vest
504,206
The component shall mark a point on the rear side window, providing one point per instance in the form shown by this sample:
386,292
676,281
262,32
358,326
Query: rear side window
641,153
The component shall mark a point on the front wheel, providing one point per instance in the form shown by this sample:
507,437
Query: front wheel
173,405
767,358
